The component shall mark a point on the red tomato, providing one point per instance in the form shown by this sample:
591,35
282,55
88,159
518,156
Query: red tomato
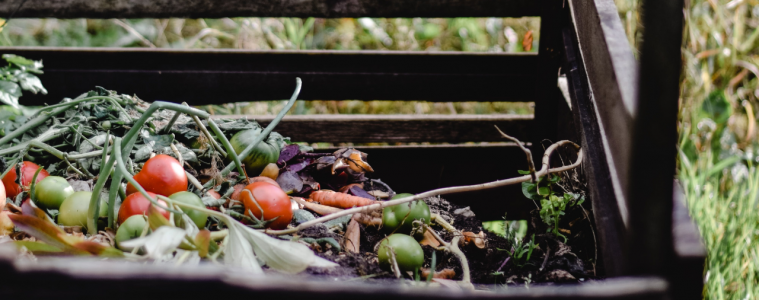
137,204
162,175
273,201
27,172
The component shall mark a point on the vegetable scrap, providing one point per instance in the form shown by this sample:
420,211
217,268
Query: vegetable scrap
110,175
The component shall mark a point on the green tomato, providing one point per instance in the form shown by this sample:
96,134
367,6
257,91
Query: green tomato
52,191
266,152
73,211
399,218
197,217
130,229
408,252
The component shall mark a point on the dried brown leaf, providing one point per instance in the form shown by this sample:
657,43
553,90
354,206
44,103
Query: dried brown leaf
352,241
429,240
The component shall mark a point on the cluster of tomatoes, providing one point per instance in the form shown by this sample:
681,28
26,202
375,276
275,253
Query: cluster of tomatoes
160,175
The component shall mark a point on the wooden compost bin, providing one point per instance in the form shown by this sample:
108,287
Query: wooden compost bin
623,113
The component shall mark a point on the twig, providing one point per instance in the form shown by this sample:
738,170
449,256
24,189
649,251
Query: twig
442,222
194,181
176,151
394,266
443,191
453,247
545,260
527,152
209,136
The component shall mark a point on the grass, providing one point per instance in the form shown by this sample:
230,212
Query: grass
718,150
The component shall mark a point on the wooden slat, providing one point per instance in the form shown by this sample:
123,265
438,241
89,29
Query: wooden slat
612,74
690,253
653,150
398,128
609,224
260,8
223,76
65,278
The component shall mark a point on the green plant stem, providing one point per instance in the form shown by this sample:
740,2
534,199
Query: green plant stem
264,133
44,137
227,144
167,128
94,210
120,164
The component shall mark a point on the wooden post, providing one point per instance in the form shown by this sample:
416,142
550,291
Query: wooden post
653,155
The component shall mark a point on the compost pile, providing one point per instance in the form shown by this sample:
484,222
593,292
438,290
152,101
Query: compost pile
110,175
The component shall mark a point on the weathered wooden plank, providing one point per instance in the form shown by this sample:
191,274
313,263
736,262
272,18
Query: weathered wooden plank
223,76
547,101
398,128
653,150
287,8
612,73
690,253
609,225
65,278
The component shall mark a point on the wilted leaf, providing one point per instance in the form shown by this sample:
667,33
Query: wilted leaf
239,251
156,219
98,249
159,244
38,248
202,240
9,93
31,83
352,242
290,182
288,153
46,232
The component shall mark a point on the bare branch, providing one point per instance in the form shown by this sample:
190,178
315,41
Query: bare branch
443,191
527,152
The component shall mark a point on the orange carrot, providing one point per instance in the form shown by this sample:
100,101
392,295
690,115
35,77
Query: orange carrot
331,198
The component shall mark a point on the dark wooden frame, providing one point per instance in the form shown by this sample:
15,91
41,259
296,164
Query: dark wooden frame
627,127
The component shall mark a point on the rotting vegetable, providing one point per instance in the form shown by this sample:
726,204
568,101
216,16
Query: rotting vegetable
265,153
51,191
73,211
27,172
138,204
162,175
267,204
135,132
132,228
400,253
400,218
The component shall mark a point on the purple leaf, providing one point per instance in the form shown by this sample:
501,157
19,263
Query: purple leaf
298,164
290,182
357,191
288,153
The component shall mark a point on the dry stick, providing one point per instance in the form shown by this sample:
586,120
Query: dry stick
443,191
527,152
209,136
453,247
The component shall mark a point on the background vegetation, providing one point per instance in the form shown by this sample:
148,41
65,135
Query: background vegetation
718,150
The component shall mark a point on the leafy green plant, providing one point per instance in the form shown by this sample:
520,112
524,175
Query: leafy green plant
19,75
552,206
521,252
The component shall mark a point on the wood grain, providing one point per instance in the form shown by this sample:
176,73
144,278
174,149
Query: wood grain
259,8
398,128
222,76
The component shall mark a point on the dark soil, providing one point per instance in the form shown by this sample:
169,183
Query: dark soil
573,261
